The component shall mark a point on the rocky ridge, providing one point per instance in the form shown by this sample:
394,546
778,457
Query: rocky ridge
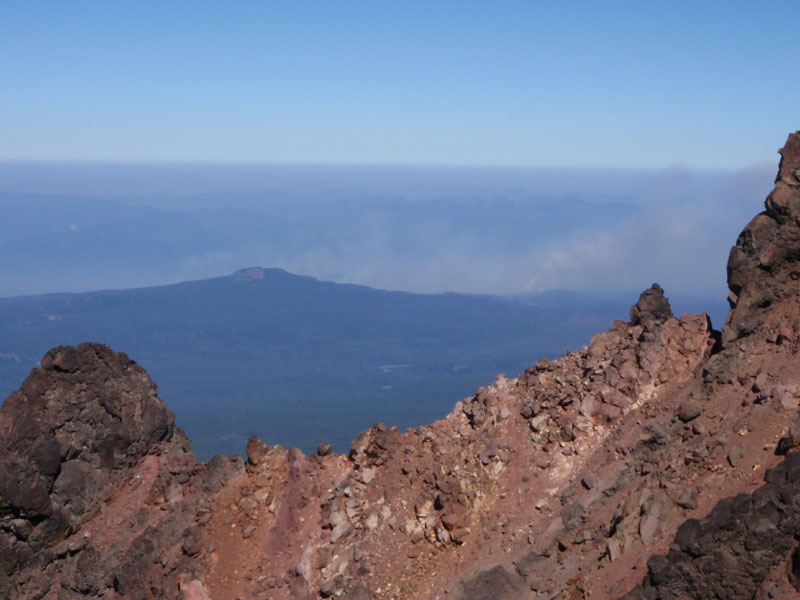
649,464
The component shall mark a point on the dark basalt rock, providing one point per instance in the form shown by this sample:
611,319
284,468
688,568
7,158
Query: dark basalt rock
763,265
652,308
86,412
493,583
730,553
69,438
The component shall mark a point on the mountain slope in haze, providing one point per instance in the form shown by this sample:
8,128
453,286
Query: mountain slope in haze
61,243
291,358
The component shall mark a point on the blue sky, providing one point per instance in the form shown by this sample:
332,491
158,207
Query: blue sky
624,84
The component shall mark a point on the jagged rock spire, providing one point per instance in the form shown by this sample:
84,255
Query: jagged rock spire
763,265
652,307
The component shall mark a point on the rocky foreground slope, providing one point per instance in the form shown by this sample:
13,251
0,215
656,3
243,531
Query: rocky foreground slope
658,462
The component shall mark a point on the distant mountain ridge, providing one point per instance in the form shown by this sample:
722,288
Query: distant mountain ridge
383,241
291,358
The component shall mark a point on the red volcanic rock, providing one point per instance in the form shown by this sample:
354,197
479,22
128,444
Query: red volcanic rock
250,274
689,410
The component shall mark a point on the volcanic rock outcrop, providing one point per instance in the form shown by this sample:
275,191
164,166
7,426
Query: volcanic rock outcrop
94,481
763,265
659,461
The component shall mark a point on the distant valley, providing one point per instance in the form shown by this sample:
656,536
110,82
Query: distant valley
299,361
293,359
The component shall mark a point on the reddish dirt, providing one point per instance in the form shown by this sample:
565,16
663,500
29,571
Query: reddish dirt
121,509
262,523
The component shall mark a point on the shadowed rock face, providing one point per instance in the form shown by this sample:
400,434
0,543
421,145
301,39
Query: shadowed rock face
736,550
654,450
763,266
651,308
747,546
87,414
88,457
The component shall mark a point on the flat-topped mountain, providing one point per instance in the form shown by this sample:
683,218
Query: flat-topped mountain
659,461
293,359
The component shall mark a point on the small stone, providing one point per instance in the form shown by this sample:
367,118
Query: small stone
735,455
340,531
759,383
538,422
688,498
77,544
256,450
788,402
583,536
367,475
23,528
442,535
247,531
689,410
792,437
589,406
571,515
331,587
324,449
655,516
274,505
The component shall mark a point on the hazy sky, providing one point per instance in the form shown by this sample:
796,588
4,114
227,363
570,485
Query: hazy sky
625,84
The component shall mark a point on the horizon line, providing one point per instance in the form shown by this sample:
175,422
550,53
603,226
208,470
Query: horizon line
675,166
